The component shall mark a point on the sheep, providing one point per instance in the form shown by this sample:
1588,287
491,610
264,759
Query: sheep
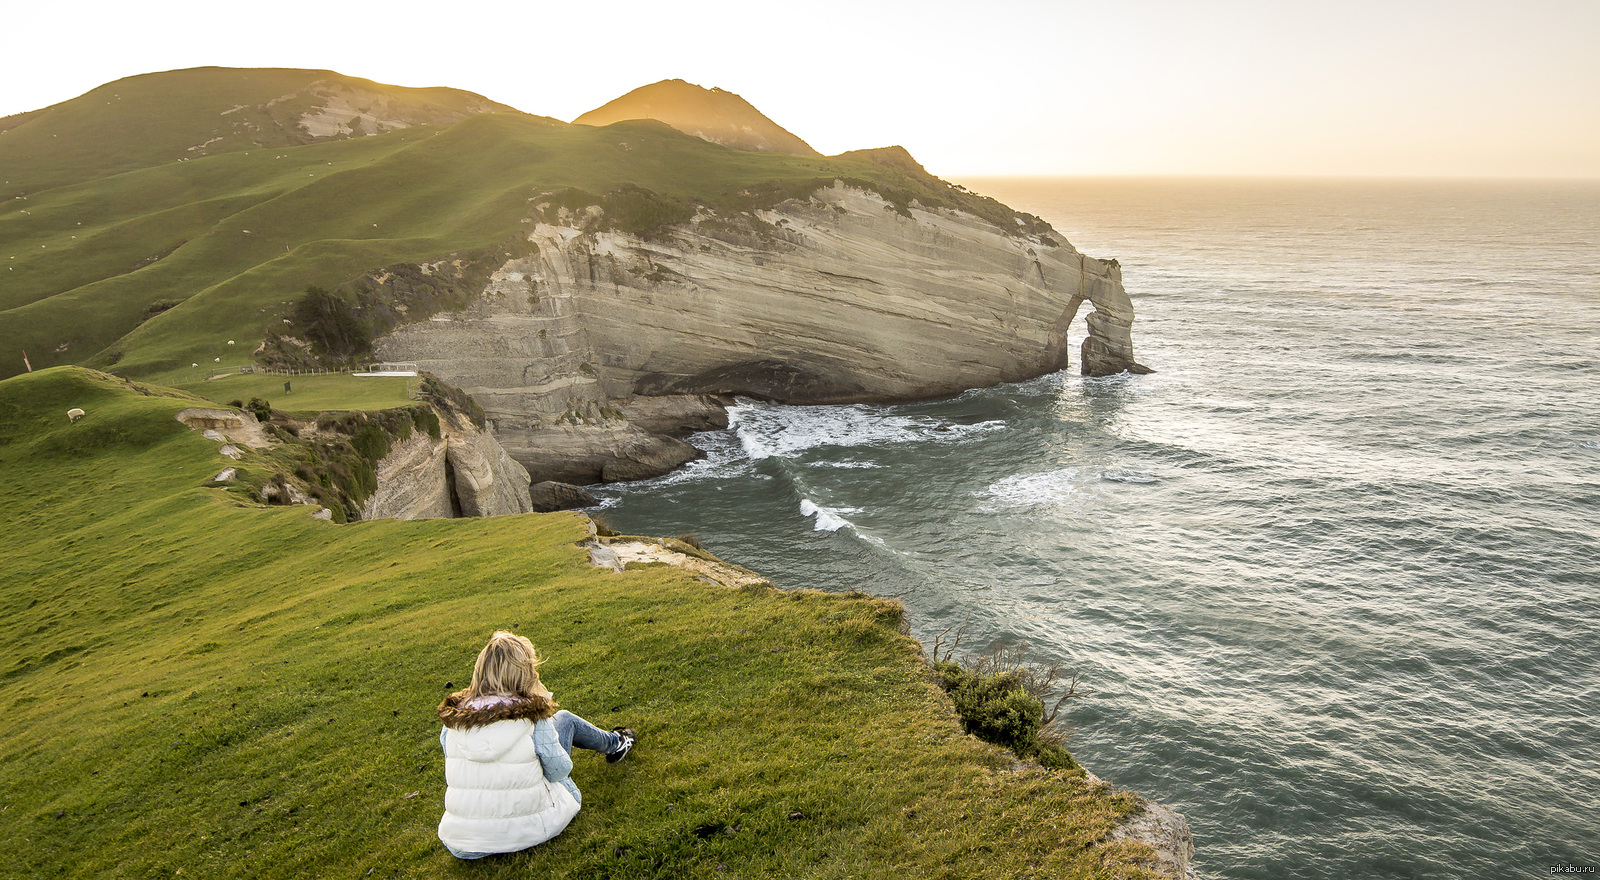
74,414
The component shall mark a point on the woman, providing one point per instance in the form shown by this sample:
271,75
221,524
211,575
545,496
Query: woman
508,753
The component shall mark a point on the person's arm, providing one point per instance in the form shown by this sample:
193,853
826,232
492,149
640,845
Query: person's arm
442,732
555,760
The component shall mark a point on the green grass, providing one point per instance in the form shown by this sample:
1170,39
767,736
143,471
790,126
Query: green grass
111,213
308,395
197,686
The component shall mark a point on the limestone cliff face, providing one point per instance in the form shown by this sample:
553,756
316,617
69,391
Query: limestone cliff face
839,298
464,473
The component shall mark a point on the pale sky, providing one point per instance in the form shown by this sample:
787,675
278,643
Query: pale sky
1461,88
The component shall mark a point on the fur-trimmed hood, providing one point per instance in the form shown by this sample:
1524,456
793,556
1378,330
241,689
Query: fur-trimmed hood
459,713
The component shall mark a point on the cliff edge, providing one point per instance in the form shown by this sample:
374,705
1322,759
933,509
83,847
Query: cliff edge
593,351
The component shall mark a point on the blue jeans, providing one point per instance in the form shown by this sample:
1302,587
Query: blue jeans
575,731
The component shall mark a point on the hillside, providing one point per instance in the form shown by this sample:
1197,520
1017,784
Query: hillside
199,686
156,118
125,249
715,115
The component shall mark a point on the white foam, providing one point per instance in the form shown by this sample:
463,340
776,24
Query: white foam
724,456
766,430
1028,491
848,464
829,519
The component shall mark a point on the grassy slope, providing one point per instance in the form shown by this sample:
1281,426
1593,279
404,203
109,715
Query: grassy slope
197,685
157,118
84,260
308,395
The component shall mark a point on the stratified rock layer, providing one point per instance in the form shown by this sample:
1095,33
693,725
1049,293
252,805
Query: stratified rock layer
463,473
838,298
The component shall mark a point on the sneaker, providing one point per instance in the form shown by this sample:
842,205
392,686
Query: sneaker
622,749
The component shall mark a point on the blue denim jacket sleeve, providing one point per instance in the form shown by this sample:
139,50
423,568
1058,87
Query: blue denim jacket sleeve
553,758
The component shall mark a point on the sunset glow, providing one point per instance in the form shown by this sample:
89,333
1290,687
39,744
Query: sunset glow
1364,88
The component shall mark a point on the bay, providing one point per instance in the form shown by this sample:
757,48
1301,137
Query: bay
1333,572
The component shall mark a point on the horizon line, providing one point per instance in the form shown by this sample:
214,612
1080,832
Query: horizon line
1301,176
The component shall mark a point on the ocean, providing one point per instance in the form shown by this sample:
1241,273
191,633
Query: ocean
1332,572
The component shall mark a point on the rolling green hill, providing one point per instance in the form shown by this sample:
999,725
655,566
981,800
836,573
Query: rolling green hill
197,686
713,114
125,250
156,118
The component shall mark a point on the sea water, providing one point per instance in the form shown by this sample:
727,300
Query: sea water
1332,572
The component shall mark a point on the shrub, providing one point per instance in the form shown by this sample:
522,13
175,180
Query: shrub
995,708
1001,699
330,324
159,306
425,419
371,441
452,399
628,208
261,409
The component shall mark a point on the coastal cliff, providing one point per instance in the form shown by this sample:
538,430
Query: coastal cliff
463,472
595,350
457,471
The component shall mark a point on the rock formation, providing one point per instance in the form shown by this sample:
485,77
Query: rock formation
463,473
1166,832
589,354
552,496
226,424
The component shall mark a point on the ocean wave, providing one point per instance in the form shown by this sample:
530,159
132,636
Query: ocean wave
1029,491
775,430
1055,488
829,519
848,464
832,519
1590,444
722,457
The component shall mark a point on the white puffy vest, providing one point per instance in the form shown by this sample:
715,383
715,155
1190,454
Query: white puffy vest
497,799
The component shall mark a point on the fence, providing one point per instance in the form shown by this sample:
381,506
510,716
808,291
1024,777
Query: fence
272,371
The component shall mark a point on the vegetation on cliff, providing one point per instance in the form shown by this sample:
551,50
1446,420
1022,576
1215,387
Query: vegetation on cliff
198,685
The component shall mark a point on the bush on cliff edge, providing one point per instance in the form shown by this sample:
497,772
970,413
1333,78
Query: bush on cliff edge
1006,707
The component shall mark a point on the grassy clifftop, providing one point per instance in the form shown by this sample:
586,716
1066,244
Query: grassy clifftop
123,249
196,685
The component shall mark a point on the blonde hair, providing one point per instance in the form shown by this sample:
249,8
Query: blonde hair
507,665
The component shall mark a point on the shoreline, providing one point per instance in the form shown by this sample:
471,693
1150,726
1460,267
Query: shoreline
1161,828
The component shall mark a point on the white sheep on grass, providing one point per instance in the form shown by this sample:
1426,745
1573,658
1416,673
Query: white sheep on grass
74,414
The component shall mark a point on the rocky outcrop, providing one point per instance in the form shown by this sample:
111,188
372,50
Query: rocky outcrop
551,496
1164,830
226,424
463,473
486,481
342,108
589,354
413,482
